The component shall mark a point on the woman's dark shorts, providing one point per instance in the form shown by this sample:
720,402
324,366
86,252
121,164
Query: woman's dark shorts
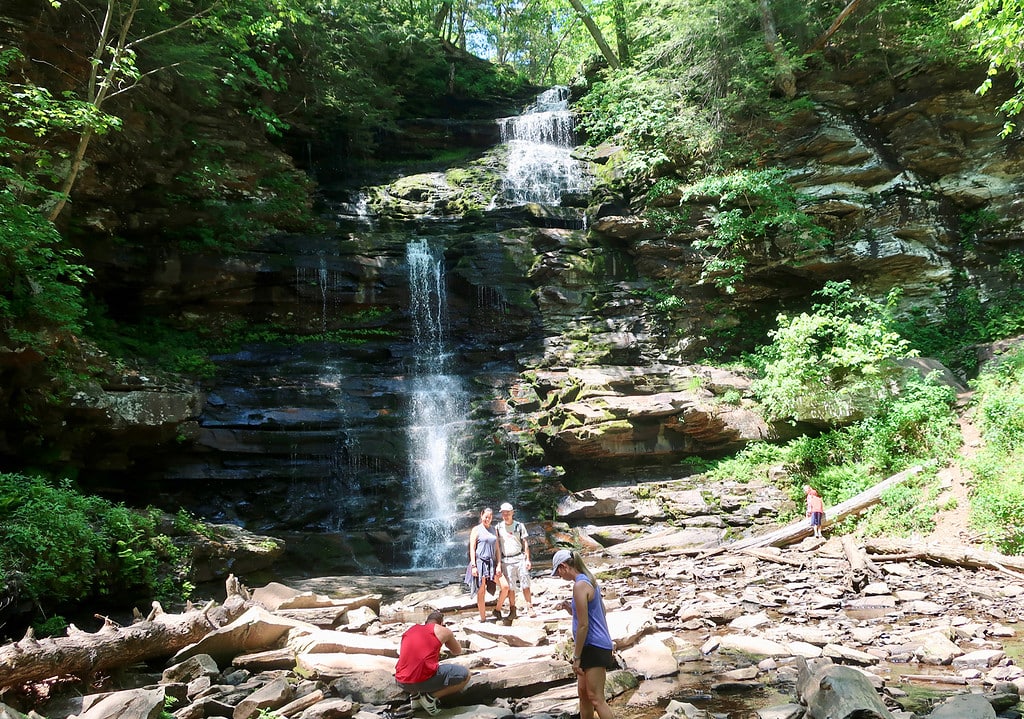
592,656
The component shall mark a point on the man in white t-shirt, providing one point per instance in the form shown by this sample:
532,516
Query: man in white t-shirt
515,559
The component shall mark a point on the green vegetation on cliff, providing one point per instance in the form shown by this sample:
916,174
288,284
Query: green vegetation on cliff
58,546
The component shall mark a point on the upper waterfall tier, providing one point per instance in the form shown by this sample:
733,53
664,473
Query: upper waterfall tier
540,166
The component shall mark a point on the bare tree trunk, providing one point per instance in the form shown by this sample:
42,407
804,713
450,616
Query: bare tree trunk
82,654
441,18
621,31
112,49
595,32
784,78
955,555
818,44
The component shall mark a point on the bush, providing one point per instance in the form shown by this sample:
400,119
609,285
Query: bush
65,546
997,497
834,364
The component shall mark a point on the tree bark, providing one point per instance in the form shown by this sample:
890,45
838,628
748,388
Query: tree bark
954,555
621,31
82,653
854,505
819,44
595,32
859,566
784,78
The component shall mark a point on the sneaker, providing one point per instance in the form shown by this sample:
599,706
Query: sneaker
533,612
429,702
512,612
414,700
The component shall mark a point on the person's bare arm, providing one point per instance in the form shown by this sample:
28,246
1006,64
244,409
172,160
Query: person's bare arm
472,550
447,638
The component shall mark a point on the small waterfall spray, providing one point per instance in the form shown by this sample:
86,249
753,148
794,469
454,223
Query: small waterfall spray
540,165
437,408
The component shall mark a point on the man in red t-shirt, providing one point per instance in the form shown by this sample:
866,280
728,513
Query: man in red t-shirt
419,671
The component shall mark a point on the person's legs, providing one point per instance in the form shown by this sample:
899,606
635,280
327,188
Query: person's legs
511,575
593,679
456,676
481,600
524,584
502,594
582,691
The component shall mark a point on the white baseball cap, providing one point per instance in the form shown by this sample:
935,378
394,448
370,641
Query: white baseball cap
506,507
561,557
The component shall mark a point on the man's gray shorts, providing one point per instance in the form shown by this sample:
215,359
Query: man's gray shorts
447,674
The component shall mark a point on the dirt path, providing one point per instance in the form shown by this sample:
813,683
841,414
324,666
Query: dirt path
953,525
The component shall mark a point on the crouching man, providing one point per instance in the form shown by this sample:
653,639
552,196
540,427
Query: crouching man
419,671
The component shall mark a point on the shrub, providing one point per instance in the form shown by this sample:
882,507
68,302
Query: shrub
833,364
997,496
65,546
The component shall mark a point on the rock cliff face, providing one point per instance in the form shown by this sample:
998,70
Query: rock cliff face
567,358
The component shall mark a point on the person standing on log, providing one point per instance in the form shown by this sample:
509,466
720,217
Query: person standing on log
515,560
484,570
419,671
815,509
592,650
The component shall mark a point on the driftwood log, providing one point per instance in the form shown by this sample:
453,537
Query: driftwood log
82,654
860,565
855,505
956,555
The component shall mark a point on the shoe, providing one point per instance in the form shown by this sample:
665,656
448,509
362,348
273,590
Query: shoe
512,612
429,702
532,612
414,700
497,614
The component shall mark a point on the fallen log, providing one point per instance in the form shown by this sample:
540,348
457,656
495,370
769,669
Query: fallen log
855,505
777,558
956,555
935,678
82,654
859,564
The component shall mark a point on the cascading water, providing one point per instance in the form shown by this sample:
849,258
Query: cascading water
437,409
540,165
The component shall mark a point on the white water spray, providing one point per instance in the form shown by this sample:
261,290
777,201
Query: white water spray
540,165
437,410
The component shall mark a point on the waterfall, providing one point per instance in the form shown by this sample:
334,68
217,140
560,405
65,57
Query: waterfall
437,409
540,166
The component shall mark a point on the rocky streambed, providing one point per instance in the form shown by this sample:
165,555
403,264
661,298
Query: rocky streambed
697,635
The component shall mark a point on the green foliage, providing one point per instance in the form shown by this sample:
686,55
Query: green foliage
997,494
836,361
903,510
751,206
1000,411
646,114
181,350
40,277
950,332
66,546
53,626
996,28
